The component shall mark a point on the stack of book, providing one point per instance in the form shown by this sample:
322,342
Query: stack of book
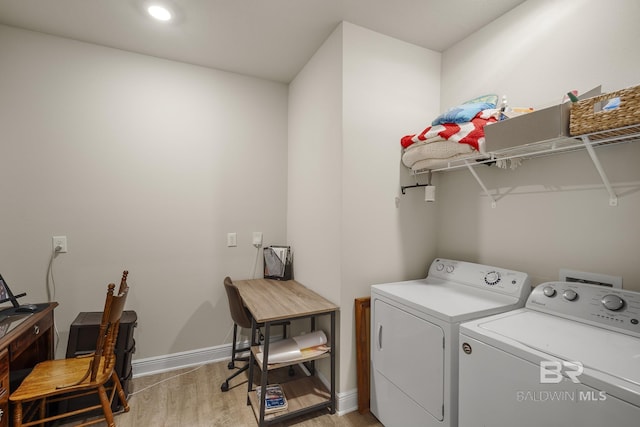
274,399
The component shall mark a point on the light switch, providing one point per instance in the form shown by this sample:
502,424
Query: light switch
231,239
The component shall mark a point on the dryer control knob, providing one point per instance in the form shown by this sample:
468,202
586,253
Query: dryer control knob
570,295
492,278
450,268
549,291
439,266
612,302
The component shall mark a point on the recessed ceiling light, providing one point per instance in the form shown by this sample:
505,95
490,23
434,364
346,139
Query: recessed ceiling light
161,13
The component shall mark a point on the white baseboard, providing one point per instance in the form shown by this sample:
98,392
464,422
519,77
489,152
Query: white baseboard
185,359
345,401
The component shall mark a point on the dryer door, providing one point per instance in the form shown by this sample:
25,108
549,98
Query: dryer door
409,352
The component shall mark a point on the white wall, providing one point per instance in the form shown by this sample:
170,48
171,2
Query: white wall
315,169
552,212
314,200
348,108
144,164
389,87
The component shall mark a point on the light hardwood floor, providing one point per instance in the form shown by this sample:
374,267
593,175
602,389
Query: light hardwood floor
192,398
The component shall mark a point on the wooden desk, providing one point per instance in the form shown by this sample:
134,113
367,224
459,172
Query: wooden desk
25,340
273,300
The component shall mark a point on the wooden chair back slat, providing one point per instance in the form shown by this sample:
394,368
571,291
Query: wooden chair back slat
109,327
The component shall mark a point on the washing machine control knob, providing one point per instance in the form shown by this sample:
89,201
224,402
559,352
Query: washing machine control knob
612,302
439,266
549,291
492,278
450,268
570,295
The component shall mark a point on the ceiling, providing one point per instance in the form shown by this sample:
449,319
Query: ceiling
270,39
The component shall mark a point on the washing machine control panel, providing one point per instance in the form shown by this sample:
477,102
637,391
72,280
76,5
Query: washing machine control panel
495,279
607,307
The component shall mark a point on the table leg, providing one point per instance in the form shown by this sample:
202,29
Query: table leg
254,327
265,371
311,366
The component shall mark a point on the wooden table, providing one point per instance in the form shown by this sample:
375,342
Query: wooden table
25,340
271,301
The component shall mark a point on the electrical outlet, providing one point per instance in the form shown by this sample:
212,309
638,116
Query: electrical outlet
231,240
257,239
60,244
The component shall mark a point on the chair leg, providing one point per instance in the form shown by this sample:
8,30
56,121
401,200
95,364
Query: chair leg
43,409
255,339
106,407
225,385
121,395
232,364
17,414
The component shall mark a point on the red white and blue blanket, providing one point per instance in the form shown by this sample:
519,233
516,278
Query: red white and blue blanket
465,133
440,143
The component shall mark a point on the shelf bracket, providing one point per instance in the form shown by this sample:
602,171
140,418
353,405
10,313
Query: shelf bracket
613,198
404,187
416,185
475,175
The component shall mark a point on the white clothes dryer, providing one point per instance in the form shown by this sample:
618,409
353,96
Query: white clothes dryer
414,337
570,358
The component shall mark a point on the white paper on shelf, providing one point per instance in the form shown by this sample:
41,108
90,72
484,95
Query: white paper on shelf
312,339
295,348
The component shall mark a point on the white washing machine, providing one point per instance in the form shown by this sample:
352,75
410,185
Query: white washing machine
414,337
570,358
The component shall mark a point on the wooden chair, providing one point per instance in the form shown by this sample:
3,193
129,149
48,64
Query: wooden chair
242,318
57,380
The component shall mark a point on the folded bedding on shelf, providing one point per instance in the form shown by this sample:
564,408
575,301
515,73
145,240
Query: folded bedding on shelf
435,160
437,145
465,133
430,163
462,113
442,149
